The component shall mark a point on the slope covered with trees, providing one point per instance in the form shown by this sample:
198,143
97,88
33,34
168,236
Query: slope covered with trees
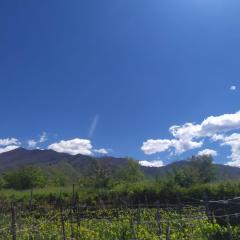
98,179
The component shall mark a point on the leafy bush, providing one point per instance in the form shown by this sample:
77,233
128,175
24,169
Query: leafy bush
24,178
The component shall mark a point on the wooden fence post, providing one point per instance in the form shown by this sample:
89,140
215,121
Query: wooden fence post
207,212
168,230
71,224
31,198
13,223
158,219
207,206
63,224
146,201
73,195
229,228
133,231
138,214
78,222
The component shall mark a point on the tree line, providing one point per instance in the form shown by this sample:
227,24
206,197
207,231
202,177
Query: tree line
191,180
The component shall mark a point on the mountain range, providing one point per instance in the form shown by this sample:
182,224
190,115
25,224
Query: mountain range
74,165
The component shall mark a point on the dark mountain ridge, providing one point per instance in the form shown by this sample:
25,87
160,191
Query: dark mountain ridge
79,163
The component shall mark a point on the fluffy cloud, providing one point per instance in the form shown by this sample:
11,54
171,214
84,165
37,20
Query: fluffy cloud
152,146
9,144
73,146
208,152
185,131
32,143
155,163
220,124
183,145
233,88
209,127
102,151
8,148
234,142
191,136
179,146
9,141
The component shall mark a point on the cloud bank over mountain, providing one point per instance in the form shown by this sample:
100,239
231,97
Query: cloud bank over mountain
190,136
77,146
154,163
9,144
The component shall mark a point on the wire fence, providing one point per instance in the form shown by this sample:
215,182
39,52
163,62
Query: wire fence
70,222
77,221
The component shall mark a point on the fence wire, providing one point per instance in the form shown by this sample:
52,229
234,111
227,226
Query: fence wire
129,221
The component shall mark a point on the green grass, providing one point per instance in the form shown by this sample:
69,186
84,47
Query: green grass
37,192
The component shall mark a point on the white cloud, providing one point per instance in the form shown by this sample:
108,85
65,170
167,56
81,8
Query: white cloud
183,145
8,148
154,163
32,143
9,144
9,141
73,146
234,142
209,127
233,88
220,124
208,152
217,137
152,146
191,136
102,151
185,131
43,137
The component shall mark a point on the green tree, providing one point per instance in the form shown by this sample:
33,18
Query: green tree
199,169
185,176
24,178
98,175
131,172
204,167
1,183
60,180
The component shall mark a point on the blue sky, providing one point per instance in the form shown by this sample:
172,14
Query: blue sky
110,75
